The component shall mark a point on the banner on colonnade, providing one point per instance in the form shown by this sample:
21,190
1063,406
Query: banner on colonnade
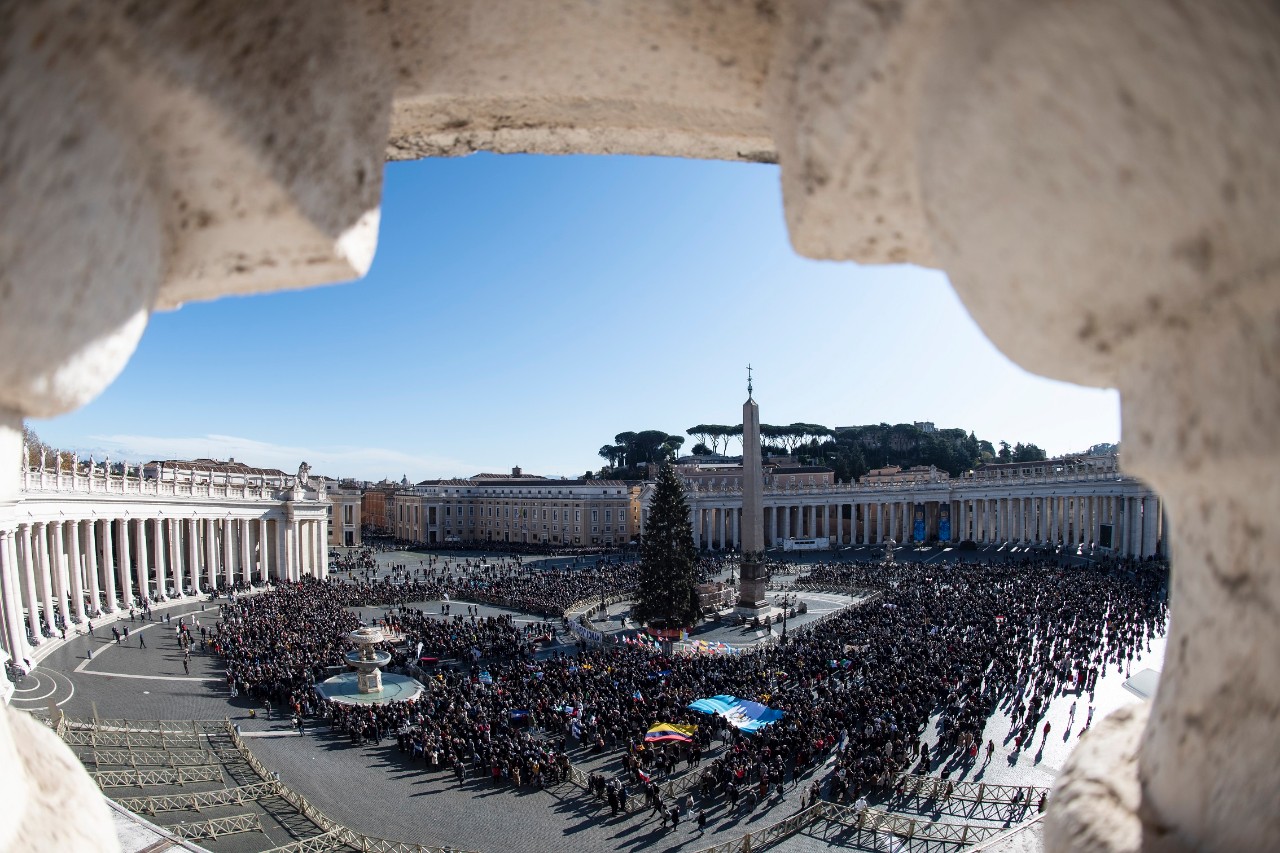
944,522
917,528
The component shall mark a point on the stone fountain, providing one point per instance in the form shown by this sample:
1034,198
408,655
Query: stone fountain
367,659
368,685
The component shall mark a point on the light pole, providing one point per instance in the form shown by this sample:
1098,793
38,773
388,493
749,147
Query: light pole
787,598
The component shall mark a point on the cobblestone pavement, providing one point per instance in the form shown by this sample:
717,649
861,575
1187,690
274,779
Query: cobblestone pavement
375,790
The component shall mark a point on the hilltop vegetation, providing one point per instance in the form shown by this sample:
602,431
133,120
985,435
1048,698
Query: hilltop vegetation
849,451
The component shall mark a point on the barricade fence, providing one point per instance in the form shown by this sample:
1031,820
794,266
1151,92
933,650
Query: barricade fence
332,835
198,800
933,787
215,827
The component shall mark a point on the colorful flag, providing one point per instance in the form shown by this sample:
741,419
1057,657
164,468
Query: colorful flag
670,732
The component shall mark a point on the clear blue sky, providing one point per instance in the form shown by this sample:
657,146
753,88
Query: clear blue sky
523,310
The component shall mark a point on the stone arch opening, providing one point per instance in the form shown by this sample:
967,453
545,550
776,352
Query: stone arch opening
1094,177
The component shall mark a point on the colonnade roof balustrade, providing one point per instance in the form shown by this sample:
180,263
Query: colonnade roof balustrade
99,480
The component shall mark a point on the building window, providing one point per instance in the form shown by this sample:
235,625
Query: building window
594,514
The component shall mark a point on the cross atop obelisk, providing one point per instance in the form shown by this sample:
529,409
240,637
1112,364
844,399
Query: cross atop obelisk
748,382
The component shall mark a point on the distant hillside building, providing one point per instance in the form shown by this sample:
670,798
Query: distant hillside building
895,474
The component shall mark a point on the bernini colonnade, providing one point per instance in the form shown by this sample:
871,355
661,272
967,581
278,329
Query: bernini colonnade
82,543
1099,181
1103,509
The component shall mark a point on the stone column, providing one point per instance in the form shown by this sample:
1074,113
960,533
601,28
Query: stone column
208,530
1119,539
193,552
1149,515
1132,538
893,519
91,564
143,567
74,572
109,567
175,556
1082,517
124,561
44,575
160,559
246,557
1082,520
786,522
292,550
322,547
57,566
276,548
734,518
27,561
228,551
264,556
322,544
15,634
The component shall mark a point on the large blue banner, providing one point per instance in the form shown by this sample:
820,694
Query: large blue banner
917,529
741,713
944,522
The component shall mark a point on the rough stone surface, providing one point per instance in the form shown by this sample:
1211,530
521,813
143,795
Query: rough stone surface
844,97
49,801
1096,799
669,77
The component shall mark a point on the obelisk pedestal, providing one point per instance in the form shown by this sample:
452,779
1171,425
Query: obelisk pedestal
751,591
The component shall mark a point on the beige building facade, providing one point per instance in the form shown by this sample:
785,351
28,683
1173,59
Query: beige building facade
345,517
519,509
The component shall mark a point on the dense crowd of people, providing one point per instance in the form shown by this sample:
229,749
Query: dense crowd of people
960,641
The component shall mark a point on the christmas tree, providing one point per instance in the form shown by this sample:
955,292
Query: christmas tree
668,561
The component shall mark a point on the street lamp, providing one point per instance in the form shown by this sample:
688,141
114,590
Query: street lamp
787,600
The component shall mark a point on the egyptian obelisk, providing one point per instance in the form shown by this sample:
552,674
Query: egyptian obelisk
751,592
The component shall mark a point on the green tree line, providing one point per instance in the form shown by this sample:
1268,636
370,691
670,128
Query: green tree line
850,451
